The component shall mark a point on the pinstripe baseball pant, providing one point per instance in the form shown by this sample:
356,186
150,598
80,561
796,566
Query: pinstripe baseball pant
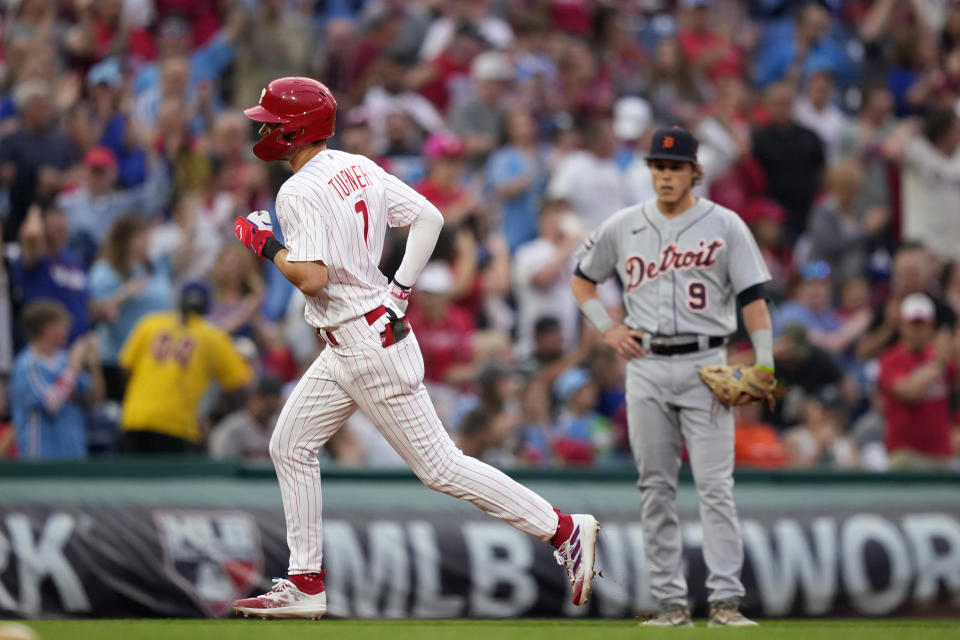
386,383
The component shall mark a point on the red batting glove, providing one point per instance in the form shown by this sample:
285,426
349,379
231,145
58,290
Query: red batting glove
252,236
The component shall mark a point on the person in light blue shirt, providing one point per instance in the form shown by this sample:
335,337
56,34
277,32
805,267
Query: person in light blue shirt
125,286
517,175
48,382
793,48
810,305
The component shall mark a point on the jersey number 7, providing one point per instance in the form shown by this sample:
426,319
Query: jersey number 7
361,207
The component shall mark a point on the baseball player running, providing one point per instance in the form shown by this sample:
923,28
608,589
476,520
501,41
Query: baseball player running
334,212
684,263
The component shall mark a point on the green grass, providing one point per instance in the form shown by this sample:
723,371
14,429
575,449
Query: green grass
237,629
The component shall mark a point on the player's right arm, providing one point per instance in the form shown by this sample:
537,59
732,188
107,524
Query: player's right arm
304,262
309,277
596,265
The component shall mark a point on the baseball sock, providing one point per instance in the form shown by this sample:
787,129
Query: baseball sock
309,583
564,529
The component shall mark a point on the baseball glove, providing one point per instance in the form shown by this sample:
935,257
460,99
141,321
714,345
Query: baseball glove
739,385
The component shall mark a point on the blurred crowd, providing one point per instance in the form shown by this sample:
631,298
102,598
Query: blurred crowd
132,321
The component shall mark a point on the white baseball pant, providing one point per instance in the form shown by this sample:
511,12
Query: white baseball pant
386,383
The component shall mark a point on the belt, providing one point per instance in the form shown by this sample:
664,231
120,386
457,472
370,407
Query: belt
326,334
679,345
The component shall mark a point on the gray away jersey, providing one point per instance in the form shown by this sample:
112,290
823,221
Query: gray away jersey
679,275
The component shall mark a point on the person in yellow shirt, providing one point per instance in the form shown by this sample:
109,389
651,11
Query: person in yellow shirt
172,358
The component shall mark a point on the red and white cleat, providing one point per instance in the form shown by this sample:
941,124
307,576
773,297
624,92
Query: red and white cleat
285,600
578,553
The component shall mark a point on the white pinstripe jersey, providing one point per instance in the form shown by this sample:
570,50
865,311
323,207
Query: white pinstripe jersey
336,209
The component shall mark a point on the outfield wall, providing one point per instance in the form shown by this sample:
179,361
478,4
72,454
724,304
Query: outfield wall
185,538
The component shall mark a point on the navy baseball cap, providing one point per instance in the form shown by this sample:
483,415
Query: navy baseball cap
195,298
674,143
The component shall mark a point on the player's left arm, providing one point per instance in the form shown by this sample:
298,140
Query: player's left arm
756,319
407,207
748,272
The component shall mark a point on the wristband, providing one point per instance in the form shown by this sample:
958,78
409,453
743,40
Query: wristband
271,248
762,340
399,291
597,315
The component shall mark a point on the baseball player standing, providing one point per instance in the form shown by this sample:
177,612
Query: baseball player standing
334,212
685,263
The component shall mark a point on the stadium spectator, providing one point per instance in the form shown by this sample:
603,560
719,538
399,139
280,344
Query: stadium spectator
805,370
917,375
191,239
516,174
245,433
841,234
708,42
48,269
675,87
581,435
95,203
272,26
473,13
238,290
816,111
819,440
50,383
589,179
478,118
811,308
765,219
792,157
912,273
189,167
125,285
862,140
108,123
443,184
792,49
34,158
931,181
445,71
447,331
172,358
541,275
487,431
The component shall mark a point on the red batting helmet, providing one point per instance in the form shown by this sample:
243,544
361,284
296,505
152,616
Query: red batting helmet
305,110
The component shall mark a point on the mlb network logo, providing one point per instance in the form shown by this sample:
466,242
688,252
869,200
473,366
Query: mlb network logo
214,556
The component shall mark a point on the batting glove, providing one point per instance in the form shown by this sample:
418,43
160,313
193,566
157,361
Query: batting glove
399,296
256,233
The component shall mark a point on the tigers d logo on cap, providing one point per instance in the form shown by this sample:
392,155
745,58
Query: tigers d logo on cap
673,143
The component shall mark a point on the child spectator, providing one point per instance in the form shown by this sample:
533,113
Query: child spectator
49,382
819,441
